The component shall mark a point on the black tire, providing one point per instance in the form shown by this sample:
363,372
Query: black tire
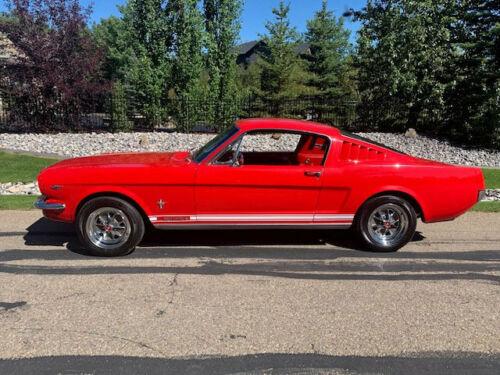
388,235
123,215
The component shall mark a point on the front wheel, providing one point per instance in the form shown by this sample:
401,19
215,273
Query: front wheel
386,223
109,227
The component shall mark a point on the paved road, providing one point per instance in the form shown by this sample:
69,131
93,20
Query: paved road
286,302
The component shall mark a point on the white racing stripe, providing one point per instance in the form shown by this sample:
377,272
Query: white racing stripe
271,218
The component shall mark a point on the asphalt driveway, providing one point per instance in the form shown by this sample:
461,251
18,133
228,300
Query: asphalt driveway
256,302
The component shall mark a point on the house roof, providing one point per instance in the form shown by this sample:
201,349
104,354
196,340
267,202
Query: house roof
246,47
242,49
8,52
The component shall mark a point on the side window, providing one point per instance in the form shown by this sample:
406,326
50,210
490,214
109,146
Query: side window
276,148
270,142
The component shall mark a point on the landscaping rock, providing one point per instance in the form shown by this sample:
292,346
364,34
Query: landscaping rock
19,188
144,140
411,133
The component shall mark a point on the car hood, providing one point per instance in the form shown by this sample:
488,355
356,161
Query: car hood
149,158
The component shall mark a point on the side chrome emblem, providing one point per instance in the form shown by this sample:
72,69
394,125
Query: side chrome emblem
161,204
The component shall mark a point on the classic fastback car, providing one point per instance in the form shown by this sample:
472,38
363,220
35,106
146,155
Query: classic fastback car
265,173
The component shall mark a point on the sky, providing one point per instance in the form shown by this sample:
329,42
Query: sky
255,13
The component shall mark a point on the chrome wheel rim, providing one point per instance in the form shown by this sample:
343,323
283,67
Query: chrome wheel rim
108,228
387,224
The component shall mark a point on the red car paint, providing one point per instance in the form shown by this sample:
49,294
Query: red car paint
172,190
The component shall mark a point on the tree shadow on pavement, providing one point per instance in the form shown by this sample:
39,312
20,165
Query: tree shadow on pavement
272,363
284,254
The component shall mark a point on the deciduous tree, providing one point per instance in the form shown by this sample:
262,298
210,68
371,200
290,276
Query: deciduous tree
115,39
149,66
57,71
431,65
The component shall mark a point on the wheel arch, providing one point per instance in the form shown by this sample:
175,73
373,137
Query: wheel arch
114,194
400,194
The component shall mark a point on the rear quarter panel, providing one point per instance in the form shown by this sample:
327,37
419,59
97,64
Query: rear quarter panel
442,191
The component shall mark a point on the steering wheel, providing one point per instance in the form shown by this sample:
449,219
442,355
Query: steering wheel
240,158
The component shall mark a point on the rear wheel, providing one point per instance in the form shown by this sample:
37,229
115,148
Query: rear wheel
109,227
386,223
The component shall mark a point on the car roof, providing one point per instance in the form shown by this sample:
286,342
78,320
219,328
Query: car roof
287,124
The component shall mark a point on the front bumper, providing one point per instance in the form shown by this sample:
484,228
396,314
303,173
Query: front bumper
42,204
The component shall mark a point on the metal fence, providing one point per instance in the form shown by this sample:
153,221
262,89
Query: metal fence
108,113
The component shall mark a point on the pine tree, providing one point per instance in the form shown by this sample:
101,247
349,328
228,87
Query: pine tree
330,49
283,75
222,22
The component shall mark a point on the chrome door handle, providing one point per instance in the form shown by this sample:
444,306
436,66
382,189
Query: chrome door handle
312,173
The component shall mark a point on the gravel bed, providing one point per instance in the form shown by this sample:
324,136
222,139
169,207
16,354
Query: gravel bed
72,145
438,150
18,188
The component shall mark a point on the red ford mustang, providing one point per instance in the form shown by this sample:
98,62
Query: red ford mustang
258,174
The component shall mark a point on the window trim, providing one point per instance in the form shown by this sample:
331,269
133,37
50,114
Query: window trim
232,131
213,161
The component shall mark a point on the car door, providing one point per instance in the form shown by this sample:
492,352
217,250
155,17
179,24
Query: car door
258,193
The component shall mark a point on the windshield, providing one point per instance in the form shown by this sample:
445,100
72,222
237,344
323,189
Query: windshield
203,152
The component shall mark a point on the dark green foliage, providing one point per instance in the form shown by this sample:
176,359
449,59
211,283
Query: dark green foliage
329,63
113,36
430,65
402,55
222,20
119,113
248,80
148,25
283,73
185,26
147,74
330,51
473,95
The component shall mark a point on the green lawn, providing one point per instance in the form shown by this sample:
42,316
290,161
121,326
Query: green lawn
17,202
21,168
492,178
487,207
15,167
